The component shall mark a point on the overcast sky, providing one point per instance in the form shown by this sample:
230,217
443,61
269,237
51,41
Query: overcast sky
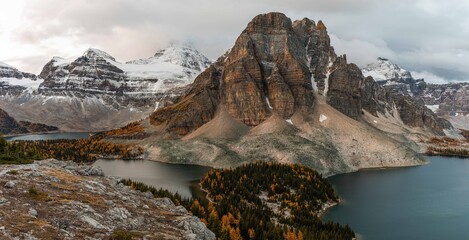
428,37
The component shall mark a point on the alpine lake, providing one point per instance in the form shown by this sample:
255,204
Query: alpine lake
424,202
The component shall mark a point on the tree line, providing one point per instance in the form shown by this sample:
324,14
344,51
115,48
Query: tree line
262,201
78,150
447,151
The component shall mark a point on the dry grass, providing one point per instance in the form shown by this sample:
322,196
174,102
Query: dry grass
83,198
61,186
41,223
37,194
65,177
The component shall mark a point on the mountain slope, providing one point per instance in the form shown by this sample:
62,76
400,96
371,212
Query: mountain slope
13,81
450,101
9,125
298,102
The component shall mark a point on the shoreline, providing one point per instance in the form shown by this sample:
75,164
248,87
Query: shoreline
447,155
42,133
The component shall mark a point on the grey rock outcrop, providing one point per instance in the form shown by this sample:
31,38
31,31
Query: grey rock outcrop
411,96
7,71
10,184
452,98
344,91
82,205
265,72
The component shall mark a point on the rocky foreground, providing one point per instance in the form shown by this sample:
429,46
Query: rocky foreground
51,199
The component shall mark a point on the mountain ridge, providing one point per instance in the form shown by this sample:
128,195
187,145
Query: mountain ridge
95,92
449,101
281,73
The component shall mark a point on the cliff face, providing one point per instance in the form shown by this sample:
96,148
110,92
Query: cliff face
375,99
344,91
7,71
282,94
265,72
272,69
452,98
413,95
320,53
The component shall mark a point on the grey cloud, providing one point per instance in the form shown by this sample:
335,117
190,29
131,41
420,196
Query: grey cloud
422,35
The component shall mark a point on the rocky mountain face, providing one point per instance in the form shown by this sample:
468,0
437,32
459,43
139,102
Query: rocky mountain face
272,69
451,98
265,72
55,199
96,92
9,125
344,91
320,54
282,94
136,83
350,92
446,100
393,77
15,82
7,71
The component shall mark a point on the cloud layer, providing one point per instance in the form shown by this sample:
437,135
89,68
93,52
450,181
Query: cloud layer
423,36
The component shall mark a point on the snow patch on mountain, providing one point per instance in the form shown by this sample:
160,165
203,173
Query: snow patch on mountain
322,118
59,61
104,92
12,78
98,72
4,65
29,84
383,70
172,63
94,53
434,108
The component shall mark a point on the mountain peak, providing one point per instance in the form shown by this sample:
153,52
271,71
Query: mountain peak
4,65
94,53
321,26
268,22
382,59
383,70
180,55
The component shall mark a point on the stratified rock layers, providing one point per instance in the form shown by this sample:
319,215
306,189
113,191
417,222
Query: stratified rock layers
272,69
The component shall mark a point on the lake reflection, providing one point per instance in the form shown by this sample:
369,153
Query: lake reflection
174,177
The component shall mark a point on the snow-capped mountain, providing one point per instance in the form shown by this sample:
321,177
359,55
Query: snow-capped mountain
95,91
448,100
7,71
98,72
388,74
14,81
384,70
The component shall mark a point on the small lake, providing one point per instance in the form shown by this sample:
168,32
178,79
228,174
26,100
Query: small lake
174,177
426,202
49,136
